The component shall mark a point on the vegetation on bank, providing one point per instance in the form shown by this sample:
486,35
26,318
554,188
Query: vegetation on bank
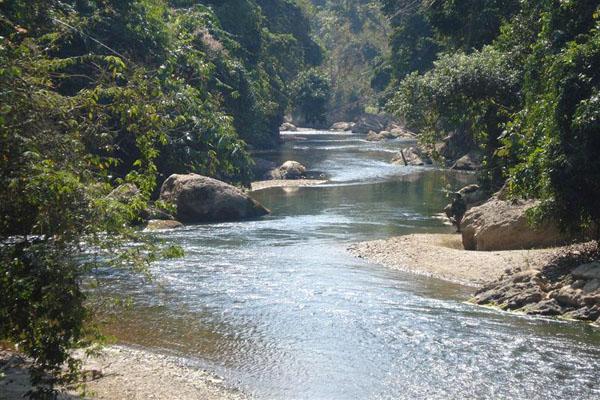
522,78
97,93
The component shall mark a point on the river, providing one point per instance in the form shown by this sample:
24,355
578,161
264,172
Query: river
280,309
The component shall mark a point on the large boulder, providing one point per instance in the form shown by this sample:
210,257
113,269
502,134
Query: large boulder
503,225
202,199
372,122
342,126
288,170
412,156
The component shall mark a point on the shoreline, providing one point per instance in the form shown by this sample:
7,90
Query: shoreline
441,256
125,372
285,183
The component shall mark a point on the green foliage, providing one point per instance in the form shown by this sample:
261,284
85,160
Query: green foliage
353,33
97,93
554,139
529,98
312,92
472,93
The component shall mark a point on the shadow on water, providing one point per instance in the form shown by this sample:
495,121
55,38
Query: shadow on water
279,308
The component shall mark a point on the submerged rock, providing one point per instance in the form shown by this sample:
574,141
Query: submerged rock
202,199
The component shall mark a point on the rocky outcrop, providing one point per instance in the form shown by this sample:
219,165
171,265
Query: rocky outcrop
202,199
395,133
342,126
412,156
161,224
568,285
288,127
503,225
288,170
469,162
372,122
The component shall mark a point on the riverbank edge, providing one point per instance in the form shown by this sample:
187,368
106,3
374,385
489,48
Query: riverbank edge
285,183
126,372
528,282
441,256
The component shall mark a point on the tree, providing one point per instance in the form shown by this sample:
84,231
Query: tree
311,93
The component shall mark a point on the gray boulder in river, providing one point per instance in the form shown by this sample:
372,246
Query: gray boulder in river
288,170
202,199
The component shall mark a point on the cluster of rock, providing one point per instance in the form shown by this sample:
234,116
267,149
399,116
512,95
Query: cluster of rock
395,132
373,122
412,156
460,152
568,286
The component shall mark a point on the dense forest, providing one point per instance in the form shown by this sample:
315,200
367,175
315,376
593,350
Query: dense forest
519,78
98,94
354,35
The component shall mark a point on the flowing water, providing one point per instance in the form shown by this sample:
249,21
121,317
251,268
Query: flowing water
280,309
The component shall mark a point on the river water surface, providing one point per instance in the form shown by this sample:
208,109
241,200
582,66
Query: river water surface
280,309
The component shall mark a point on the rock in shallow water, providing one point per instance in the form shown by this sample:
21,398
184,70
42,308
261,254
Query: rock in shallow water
202,199
288,170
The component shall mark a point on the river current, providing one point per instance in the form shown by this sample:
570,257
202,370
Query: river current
279,308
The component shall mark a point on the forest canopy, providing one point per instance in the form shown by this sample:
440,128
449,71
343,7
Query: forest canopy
100,93
522,78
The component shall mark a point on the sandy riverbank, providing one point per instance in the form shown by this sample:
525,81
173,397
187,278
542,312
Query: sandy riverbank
260,185
441,256
128,373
